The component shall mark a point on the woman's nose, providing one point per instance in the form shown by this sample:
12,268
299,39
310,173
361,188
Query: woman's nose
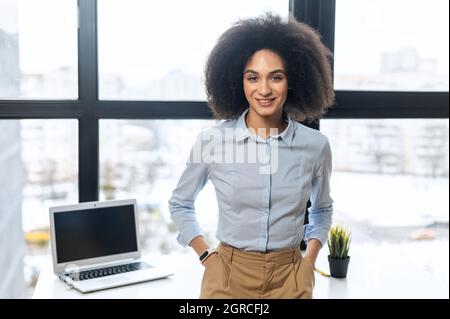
265,88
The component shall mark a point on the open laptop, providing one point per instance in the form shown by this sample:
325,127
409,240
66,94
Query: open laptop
96,245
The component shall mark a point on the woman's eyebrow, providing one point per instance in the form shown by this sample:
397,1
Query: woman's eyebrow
272,72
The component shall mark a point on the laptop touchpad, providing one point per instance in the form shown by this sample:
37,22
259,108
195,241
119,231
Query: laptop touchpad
109,281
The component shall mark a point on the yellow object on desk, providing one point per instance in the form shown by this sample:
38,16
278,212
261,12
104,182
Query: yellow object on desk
321,272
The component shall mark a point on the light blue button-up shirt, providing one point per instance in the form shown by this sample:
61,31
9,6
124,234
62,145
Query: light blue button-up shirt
262,186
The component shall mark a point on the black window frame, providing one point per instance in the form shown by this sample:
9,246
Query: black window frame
89,110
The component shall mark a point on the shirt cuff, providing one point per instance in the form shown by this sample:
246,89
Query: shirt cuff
186,236
314,233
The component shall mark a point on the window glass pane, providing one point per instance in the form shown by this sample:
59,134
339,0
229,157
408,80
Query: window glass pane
38,49
158,51
38,169
144,159
390,185
387,45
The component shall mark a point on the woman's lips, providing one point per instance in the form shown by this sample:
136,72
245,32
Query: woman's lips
265,102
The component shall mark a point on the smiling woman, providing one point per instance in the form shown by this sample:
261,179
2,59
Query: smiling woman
282,71
265,87
303,59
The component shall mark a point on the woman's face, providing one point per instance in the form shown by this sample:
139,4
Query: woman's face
265,83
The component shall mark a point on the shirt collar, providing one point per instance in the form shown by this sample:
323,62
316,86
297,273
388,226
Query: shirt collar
243,132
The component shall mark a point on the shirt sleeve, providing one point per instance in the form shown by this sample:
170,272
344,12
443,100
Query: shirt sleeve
181,204
321,210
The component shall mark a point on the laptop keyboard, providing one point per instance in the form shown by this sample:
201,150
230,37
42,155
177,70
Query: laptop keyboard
107,271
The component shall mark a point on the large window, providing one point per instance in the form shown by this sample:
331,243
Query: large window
390,186
102,99
158,53
38,169
399,45
144,159
38,49
390,174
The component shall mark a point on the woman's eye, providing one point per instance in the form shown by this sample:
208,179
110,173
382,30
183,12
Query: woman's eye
278,77
251,78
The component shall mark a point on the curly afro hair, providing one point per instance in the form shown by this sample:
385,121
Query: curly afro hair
307,61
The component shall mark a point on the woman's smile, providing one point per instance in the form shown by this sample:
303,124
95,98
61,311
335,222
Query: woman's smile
266,102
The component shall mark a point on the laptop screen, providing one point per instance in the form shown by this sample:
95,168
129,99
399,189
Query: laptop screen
92,233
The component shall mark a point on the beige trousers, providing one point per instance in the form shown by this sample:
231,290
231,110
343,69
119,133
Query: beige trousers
239,274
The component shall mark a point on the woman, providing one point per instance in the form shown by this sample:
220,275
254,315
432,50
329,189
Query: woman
262,75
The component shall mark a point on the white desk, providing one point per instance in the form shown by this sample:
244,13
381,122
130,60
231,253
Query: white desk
374,272
185,283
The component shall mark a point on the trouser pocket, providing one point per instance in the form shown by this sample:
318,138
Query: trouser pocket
215,279
305,279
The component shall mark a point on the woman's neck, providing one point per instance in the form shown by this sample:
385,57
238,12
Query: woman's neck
262,126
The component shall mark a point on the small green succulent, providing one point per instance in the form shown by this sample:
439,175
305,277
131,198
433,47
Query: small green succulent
339,242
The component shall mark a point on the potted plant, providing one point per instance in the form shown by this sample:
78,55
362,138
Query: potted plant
338,245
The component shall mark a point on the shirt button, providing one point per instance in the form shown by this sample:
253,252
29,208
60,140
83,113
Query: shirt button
267,190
